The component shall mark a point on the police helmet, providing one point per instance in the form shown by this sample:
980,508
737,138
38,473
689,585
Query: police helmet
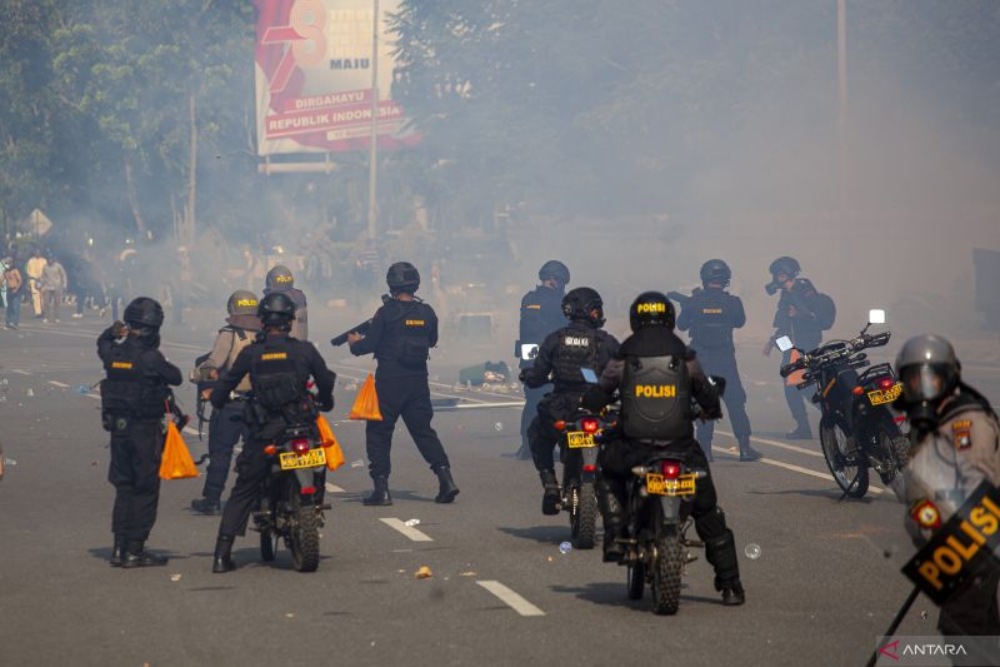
402,277
242,302
554,270
651,309
787,265
279,278
584,303
928,368
144,314
276,310
716,271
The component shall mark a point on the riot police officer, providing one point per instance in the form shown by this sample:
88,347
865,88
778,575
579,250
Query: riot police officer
134,398
541,314
803,314
279,367
401,335
653,354
581,344
711,314
956,446
280,279
226,426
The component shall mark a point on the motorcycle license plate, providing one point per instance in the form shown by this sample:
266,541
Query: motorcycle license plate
311,459
656,485
579,439
880,397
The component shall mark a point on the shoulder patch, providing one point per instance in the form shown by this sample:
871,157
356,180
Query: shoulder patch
961,432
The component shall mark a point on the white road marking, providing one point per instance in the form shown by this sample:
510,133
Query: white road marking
412,533
190,430
507,404
333,488
94,396
59,384
19,371
775,443
511,599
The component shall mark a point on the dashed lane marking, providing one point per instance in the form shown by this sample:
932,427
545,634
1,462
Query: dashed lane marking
59,384
410,532
19,371
511,599
190,430
94,396
333,488
776,443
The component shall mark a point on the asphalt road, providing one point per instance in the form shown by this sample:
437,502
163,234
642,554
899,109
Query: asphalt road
825,585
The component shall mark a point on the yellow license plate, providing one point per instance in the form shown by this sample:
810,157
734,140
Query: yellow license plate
311,459
656,485
578,439
879,397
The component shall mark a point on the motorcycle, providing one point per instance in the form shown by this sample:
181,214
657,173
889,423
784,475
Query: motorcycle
581,438
858,429
288,507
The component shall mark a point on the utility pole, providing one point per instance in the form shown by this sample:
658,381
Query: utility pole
373,148
842,114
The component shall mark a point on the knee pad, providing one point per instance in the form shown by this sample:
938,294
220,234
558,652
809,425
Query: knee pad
721,553
711,525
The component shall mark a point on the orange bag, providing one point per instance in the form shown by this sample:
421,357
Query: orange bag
796,377
334,454
177,462
366,404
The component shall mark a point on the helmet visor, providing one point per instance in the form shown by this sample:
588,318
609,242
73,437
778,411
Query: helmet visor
926,382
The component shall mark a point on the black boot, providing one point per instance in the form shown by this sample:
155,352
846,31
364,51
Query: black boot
137,556
206,506
448,490
223,561
613,516
118,551
733,594
721,553
380,496
748,453
552,498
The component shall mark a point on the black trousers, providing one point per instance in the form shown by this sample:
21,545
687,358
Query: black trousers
735,397
542,435
252,465
532,397
409,398
225,428
136,452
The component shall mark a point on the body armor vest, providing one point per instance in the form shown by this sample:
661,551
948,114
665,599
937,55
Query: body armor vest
656,398
129,389
276,383
712,325
577,348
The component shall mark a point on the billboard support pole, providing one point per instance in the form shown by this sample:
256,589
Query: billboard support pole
373,140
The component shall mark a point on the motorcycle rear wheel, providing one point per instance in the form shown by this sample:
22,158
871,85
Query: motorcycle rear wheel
844,459
304,542
583,515
667,568
636,580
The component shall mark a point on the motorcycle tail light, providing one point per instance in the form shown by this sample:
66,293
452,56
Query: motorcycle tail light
857,391
271,450
899,419
560,425
886,383
590,425
589,467
308,490
670,469
300,446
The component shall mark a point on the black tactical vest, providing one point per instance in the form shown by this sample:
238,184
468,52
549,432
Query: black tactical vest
130,390
414,343
712,326
577,348
656,398
276,382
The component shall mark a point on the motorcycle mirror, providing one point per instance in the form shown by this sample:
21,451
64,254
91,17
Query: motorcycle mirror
589,375
784,343
529,351
876,316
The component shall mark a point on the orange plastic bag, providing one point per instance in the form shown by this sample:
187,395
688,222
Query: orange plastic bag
334,454
798,376
177,462
366,404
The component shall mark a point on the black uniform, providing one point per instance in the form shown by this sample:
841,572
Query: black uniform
562,354
134,397
541,314
710,315
400,336
656,424
279,368
802,315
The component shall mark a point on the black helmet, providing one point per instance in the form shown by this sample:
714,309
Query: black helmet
716,271
277,310
928,368
580,304
279,278
402,277
651,309
144,315
555,270
787,265
242,302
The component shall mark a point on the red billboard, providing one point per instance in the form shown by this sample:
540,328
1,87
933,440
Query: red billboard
313,77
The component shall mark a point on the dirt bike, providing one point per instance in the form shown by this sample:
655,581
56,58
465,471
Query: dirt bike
581,438
289,506
858,429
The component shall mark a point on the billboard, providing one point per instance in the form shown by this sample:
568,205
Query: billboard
313,77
